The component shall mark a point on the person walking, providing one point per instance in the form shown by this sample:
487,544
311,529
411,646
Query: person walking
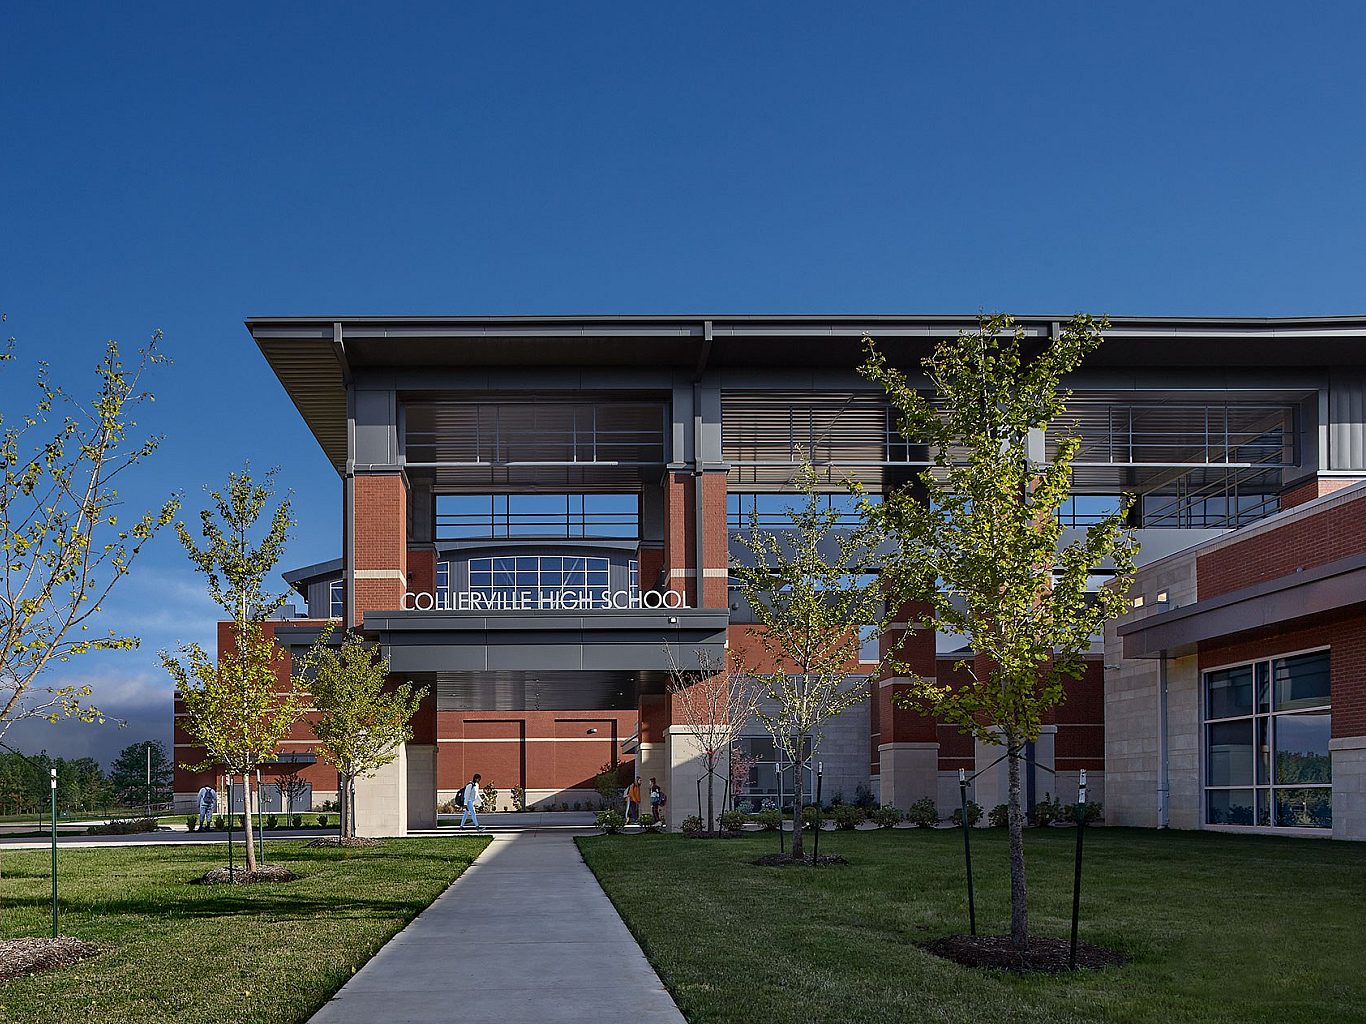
208,803
657,800
633,802
471,796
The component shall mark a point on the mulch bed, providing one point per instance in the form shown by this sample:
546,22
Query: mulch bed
1046,955
20,957
349,842
783,860
241,876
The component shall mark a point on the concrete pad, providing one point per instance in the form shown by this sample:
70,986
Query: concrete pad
525,936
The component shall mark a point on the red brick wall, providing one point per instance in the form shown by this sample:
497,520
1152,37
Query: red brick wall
1315,487
678,533
381,541
533,749
421,570
1080,741
1323,536
1343,633
716,543
300,737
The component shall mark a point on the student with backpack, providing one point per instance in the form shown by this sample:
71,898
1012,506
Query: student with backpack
470,797
657,800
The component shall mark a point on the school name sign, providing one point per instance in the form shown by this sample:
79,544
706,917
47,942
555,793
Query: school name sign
540,600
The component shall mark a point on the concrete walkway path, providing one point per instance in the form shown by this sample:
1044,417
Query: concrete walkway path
525,936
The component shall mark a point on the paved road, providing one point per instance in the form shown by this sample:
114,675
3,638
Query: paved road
525,936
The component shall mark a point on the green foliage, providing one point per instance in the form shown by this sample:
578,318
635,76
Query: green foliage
123,827
974,814
272,821
488,798
1047,811
809,586
999,816
692,825
811,816
25,784
769,819
191,822
322,821
219,822
923,813
885,816
732,821
128,774
847,817
985,551
608,783
1091,810
62,539
518,794
611,821
362,721
297,820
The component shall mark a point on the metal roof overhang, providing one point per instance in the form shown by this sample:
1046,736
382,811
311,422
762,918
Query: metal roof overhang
1323,589
608,640
313,356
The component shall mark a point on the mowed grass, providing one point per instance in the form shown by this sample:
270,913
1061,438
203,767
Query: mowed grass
1220,928
174,952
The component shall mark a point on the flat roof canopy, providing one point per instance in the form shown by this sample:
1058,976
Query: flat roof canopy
313,357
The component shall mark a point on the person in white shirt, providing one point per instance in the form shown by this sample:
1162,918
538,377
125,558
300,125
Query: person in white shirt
472,797
208,803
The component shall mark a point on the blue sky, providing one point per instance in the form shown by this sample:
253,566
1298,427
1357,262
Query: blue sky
177,169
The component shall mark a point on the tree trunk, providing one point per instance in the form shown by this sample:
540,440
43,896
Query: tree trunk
711,790
1019,907
797,787
246,821
343,805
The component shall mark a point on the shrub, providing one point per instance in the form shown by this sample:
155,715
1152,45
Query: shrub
847,817
863,797
1091,810
974,814
329,805
242,822
220,822
999,816
447,808
610,821
322,820
810,815
732,821
1046,811
191,822
272,821
768,819
885,816
518,795
646,825
578,806
297,821
692,825
123,827
488,798
745,807
923,813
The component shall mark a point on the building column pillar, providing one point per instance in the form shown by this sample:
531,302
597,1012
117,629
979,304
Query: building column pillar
381,543
908,742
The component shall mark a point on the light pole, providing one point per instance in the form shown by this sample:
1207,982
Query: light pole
54,852
147,792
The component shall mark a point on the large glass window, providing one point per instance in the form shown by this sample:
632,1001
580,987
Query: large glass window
335,593
773,509
1267,726
465,516
546,577
756,772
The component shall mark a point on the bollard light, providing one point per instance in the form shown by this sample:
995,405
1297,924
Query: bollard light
54,852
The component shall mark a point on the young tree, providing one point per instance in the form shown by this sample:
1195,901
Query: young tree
291,786
62,539
980,539
714,703
236,707
233,707
128,775
361,722
810,587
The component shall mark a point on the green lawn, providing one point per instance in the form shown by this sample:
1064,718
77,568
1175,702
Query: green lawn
1220,928
176,953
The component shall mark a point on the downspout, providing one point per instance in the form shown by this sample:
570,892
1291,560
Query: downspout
699,527
348,483
1163,778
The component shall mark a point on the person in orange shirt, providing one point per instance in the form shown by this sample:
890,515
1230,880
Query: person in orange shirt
633,802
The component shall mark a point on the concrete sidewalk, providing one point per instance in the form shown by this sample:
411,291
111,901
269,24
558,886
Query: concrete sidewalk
525,936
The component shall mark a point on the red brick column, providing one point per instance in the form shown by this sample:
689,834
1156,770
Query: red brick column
907,743
381,555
